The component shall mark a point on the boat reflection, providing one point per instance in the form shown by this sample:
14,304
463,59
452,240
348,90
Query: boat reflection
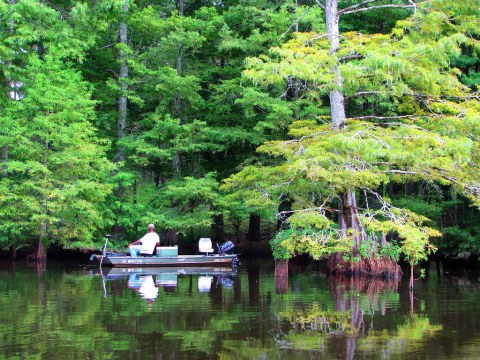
147,281
144,285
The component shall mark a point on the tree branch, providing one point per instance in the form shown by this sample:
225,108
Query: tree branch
350,57
401,172
319,3
356,6
384,117
295,22
376,7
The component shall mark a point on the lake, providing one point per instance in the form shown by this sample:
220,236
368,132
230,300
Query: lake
74,311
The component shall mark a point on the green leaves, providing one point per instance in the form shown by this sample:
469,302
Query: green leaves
55,172
401,93
188,204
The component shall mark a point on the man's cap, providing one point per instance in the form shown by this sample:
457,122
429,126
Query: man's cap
151,226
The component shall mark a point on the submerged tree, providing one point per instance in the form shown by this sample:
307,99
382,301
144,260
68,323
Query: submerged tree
409,118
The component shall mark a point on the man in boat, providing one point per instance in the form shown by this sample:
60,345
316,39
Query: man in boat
146,244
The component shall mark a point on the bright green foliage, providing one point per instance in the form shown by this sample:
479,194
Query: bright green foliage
411,119
188,204
307,239
55,169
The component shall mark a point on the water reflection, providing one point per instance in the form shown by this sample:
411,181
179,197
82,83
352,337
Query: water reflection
356,321
145,285
210,313
147,281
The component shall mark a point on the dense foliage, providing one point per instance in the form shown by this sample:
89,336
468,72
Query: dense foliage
217,118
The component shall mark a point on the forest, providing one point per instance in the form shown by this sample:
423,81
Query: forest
340,129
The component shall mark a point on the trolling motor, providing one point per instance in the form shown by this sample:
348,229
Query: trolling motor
108,236
104,251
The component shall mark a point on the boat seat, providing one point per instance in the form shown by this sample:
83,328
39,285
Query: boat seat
205,246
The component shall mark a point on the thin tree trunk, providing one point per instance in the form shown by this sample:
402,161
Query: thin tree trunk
337,101
5,161
123,77
134,190
411,276
177,102
122,100
176,162
170,237
41,251
296,21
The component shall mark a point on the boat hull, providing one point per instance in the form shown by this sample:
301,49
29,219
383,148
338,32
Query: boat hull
179,260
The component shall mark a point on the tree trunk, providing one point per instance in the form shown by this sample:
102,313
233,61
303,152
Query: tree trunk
119,192
348,219
41,251
281,268
170,237
254,233
134,191
41,255
5,161
181,7
284,209
218,228
411,277
123,77
281,283
337,101
177,101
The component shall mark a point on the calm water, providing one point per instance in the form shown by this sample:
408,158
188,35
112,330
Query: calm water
74,312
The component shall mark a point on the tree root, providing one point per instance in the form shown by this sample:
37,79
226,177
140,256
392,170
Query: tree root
382,267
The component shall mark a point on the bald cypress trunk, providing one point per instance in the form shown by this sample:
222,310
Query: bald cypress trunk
348,219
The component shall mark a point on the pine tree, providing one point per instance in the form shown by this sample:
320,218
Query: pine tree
56,173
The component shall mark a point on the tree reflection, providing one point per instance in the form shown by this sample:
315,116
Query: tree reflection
215,315
349,321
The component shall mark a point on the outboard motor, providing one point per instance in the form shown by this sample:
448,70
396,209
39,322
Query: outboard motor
226,248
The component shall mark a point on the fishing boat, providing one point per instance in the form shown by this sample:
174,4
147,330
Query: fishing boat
168,256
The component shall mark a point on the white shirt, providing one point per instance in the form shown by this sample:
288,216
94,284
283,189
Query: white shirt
149,241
